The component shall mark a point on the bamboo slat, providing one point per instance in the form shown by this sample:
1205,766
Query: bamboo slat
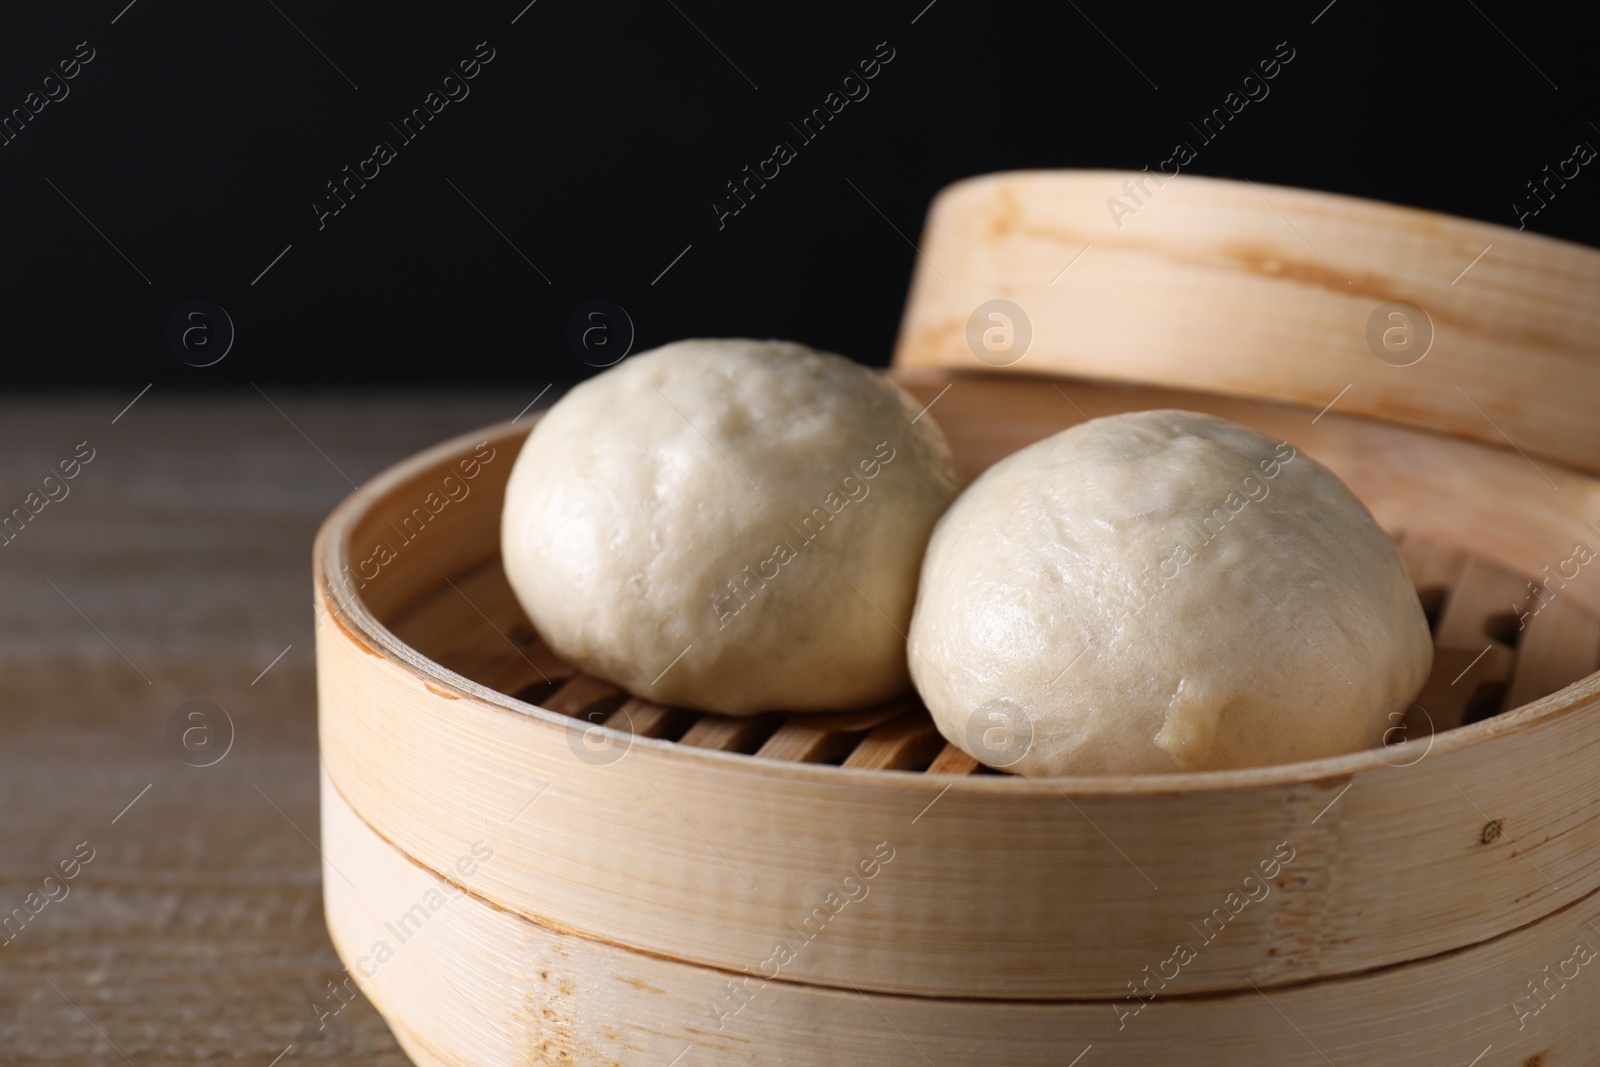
1561,644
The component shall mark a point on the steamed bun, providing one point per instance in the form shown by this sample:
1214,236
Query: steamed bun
729,525
1163,591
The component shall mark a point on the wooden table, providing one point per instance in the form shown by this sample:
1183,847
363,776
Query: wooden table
177,568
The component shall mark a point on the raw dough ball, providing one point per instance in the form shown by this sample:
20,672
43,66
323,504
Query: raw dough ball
1163,591
729,525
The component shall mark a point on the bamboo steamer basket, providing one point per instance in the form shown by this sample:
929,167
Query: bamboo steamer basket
526,865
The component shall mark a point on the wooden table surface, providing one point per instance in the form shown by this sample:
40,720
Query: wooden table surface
177,568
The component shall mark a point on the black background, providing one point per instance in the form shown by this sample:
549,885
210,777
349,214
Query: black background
199,137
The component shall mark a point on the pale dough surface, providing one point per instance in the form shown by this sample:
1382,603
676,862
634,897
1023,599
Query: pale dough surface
729,525
1163,591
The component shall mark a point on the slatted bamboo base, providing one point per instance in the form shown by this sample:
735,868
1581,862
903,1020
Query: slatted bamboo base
1485,662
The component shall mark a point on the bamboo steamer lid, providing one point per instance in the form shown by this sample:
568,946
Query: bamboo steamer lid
1262,291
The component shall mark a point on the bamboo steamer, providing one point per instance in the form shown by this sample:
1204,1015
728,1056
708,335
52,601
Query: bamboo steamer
524,864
